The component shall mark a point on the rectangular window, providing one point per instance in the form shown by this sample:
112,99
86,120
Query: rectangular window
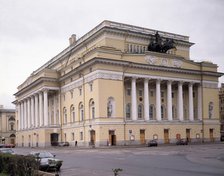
73,136
81,136
151,93
162,94
172,94
71,94
129,92
91,87
80,91
140,93
64,97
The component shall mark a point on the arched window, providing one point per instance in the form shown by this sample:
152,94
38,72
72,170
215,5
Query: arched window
81,112
65,115
110,107
72,113
92,109
140,111
151,111
128,111
210,109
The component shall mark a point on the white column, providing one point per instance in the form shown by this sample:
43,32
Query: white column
55,109
146,99
36,111
134,114
28,112
199,103
25,113
180,101
41,108
32,112
59,108
191,102
45,108
19,115
22,115
158,100
169,101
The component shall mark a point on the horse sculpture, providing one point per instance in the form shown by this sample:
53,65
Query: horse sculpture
158,45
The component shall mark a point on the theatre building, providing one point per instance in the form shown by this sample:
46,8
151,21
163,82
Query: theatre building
120,85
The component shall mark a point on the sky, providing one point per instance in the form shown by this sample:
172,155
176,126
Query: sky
32,32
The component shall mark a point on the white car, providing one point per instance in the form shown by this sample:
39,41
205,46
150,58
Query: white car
47,160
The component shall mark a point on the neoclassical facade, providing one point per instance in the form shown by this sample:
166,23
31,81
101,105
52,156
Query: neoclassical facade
221,110
7,126
111,87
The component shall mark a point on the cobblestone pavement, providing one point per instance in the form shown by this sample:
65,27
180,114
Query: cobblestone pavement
191,160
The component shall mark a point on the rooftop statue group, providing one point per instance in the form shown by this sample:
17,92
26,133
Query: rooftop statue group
159,45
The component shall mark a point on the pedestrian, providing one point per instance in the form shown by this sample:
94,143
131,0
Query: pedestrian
76,143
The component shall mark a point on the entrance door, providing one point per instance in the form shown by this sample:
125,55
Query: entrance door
54,139
112,137
142,136
211,135
188,135
92,137
166,136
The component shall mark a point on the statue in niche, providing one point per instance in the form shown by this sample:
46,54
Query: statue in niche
159,45
109,108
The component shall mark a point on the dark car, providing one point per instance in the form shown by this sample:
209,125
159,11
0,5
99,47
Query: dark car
47,160
182,142
152,143
10,145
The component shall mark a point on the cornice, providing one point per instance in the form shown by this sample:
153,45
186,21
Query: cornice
35,83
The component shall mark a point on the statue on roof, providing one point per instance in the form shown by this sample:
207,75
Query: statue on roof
159,45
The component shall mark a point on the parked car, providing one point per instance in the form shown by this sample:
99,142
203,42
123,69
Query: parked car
152,143
2,145
182,142
47,160
10,145
7,150
62,144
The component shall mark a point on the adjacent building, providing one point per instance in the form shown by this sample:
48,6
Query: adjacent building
120,85
7,126
221,106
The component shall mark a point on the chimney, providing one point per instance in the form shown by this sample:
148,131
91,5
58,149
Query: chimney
72,39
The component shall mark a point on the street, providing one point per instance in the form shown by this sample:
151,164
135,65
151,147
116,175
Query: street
190,160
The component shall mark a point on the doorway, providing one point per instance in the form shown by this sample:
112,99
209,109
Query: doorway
54,139
142,136
112,137
92,137
188,135
211,135
166,136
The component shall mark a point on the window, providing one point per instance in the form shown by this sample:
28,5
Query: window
128,111
91,109
73,137
140,109
173,112
140,93
151,93
128,91
151,111
162,94
72,113
64,97
65,115
71,94
162,112
90,87
110,107
80,91
81,136
210,109
81,112
172,94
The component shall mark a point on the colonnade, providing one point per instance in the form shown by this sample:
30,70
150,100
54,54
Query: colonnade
180,102
33,111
